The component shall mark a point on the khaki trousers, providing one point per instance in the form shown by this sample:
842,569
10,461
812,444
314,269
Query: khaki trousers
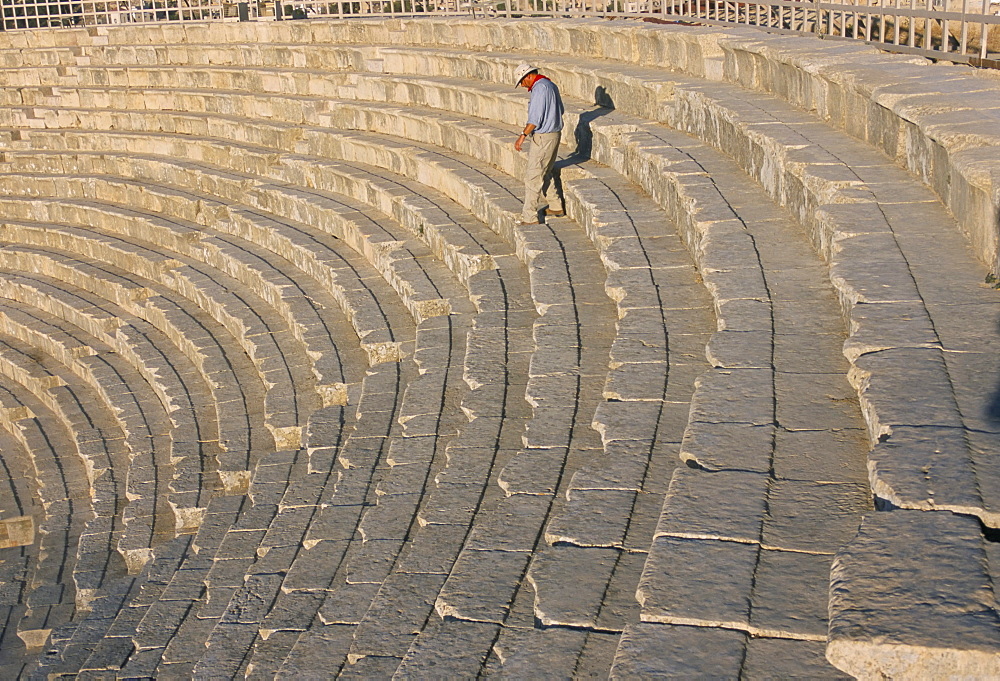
539,186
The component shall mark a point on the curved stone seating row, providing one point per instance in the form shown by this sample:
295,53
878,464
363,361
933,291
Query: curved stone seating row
140,426
193,442
47,414
365,235
134,298
178,276
143,473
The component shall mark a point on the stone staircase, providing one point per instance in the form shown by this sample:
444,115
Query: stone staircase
288,391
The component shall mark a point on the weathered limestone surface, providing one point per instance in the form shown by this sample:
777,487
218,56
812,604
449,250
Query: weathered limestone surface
286,390
947,626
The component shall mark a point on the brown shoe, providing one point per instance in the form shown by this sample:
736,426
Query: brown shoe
555,213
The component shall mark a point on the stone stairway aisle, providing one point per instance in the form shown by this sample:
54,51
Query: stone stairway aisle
405,436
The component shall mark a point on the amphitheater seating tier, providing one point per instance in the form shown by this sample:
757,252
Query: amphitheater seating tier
287,390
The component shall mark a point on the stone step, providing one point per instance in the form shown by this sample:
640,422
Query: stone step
647,648
165,315
190,438
52,56
434,543
897,637
359,230
452,500
611,503
253,328
287,108
46,586
223,77
381,526
249,55
139,424
730,394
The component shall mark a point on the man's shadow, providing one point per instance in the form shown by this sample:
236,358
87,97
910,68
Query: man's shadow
584,138
993,407
583,134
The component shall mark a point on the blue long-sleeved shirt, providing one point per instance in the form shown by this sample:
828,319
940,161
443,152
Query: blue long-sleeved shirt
545,107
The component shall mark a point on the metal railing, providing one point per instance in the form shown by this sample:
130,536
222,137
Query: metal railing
955,30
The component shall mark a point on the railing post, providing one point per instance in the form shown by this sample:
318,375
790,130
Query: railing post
928,40
984,33
964,44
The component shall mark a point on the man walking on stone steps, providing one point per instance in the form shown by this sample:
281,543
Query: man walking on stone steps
544,127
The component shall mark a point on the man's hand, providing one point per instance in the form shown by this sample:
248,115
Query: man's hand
528,129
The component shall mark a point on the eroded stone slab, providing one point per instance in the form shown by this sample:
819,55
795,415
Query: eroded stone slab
928,467
650,650
702,582
812,516
912,597
733,446
725,505
570,583
790,595
783,658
